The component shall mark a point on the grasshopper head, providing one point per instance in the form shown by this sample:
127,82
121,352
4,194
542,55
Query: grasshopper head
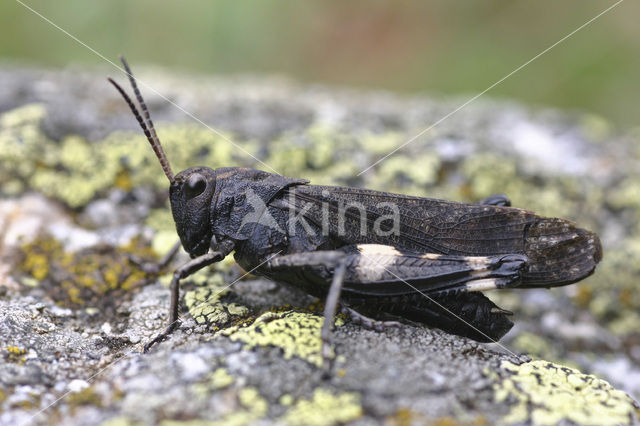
191,193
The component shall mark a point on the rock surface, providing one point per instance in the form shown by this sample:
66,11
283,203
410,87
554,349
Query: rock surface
82,193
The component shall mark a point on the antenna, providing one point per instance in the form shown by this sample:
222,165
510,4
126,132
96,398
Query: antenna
145,123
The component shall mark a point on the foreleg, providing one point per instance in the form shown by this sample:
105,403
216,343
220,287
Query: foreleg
180,273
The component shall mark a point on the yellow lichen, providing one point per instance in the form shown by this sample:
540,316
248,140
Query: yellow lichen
38,265
250,398
286,400
407,417
533,345
14,350
254,408
324,408
413,175
251,408
296,333
220,378
76,171
119,421
544,393
86,396
16,354
381,144
24,115
123,181
85,277
205,302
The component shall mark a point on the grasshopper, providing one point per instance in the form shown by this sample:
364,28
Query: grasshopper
375,254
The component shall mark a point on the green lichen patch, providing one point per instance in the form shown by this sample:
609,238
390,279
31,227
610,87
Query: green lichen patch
22,141
544,393
97,276
253,407
296,333
534,345
120,421
250,408
613,298
75,171
313,155
87,396
211,302
559,196
409,175
218,379
325,408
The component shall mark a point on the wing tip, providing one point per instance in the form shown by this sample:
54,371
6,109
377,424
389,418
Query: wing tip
564,262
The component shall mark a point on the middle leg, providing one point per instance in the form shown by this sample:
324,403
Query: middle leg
335,261
496,200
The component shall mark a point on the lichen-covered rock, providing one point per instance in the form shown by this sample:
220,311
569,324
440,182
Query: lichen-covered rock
83,195
544,393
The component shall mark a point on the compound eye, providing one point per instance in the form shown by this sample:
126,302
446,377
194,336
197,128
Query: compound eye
195,185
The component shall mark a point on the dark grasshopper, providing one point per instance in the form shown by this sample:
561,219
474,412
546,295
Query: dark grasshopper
375,253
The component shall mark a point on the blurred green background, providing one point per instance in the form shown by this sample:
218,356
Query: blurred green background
440,47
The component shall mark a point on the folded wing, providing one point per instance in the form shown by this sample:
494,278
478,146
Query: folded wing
559,253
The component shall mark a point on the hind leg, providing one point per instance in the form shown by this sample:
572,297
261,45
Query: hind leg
336,262
370,268
368,323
